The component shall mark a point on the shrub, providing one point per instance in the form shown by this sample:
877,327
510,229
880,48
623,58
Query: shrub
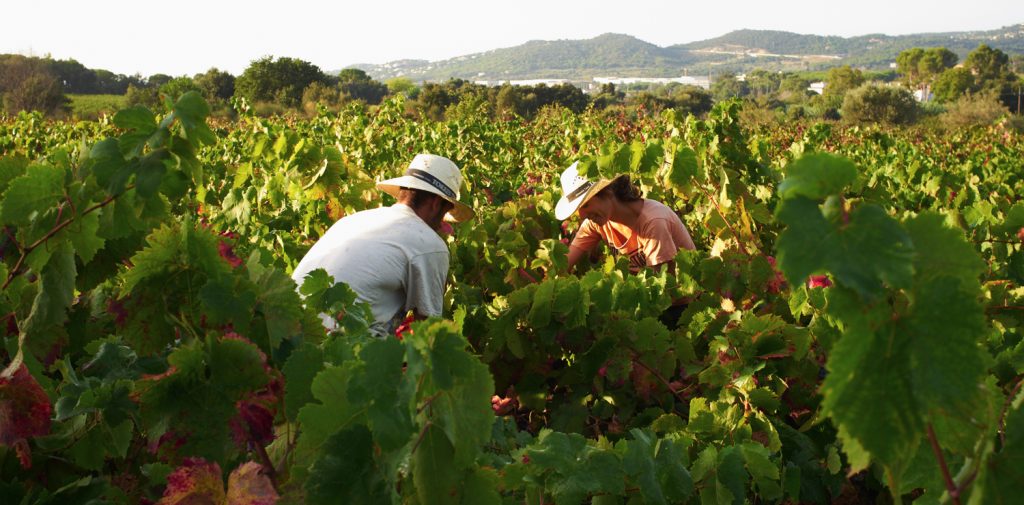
973,109
872,103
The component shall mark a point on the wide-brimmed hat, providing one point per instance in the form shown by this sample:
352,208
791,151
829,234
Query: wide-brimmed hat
576,190
436,174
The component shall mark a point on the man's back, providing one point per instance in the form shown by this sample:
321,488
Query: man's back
389,257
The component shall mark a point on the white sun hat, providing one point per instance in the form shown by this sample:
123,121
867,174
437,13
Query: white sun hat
576,190
436,174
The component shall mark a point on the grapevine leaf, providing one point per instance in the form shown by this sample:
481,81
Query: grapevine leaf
334,412
433,470
84,235
25,411
942,250
276,301
816,176
56,292
10,168
683,170
346,472
151,170
1002,476
195,481
638,462
299,371
731,477
389,419
31,194
247,485
192,111
863,254
480,487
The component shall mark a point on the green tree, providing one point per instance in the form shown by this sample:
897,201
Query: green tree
157,80
509,101
215,85
691,100
952,84
873,103
838,82
988,64
908,64
282,80
74,77
608,96
727,86
26,84
934,61
178,86
145,96
403,85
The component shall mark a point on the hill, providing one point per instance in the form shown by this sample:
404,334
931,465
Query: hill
737,51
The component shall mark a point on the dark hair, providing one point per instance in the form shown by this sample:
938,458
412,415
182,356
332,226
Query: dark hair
623,190
416,198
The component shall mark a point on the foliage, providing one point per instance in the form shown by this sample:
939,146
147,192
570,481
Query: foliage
280,80
851,328
976,109
872,103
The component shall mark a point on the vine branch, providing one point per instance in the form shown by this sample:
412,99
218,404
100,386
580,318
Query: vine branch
951,487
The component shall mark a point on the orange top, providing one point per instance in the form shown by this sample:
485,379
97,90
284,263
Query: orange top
658,236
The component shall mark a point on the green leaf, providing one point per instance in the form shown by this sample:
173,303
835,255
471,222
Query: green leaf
84,235
151,170
299,371
389,416
333,413
816,176
11,167
540,311
191,109
1002,476
942,250
31,194
683,170
56,292
346,472
136,118
480,487
433,470
108,164
866,253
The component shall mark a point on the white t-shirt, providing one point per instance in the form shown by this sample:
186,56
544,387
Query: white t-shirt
390,257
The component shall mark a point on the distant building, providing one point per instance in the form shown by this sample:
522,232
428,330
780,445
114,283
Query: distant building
817,87
702,82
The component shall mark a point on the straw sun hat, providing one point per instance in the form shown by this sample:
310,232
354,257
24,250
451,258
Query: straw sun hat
576,190
436,174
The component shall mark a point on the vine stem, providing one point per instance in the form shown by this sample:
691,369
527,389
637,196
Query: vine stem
1006,405
657,374
725,220
951,488
56,229
269,465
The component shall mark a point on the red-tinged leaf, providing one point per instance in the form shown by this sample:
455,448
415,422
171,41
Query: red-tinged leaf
254,424
248,485
195,482
24,412
818,281
227,252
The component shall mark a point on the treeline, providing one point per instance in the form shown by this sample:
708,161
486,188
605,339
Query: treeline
983,87
980,89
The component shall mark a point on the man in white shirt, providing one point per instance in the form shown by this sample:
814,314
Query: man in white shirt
392,257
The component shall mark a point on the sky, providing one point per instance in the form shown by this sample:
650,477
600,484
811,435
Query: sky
185,37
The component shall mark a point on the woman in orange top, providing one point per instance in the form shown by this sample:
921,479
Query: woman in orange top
646,231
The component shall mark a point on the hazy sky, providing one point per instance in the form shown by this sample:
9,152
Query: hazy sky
186,36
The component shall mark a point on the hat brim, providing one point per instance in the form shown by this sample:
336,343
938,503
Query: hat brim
461,212
565,207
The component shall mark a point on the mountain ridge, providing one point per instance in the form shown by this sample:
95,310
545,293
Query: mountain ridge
737,51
